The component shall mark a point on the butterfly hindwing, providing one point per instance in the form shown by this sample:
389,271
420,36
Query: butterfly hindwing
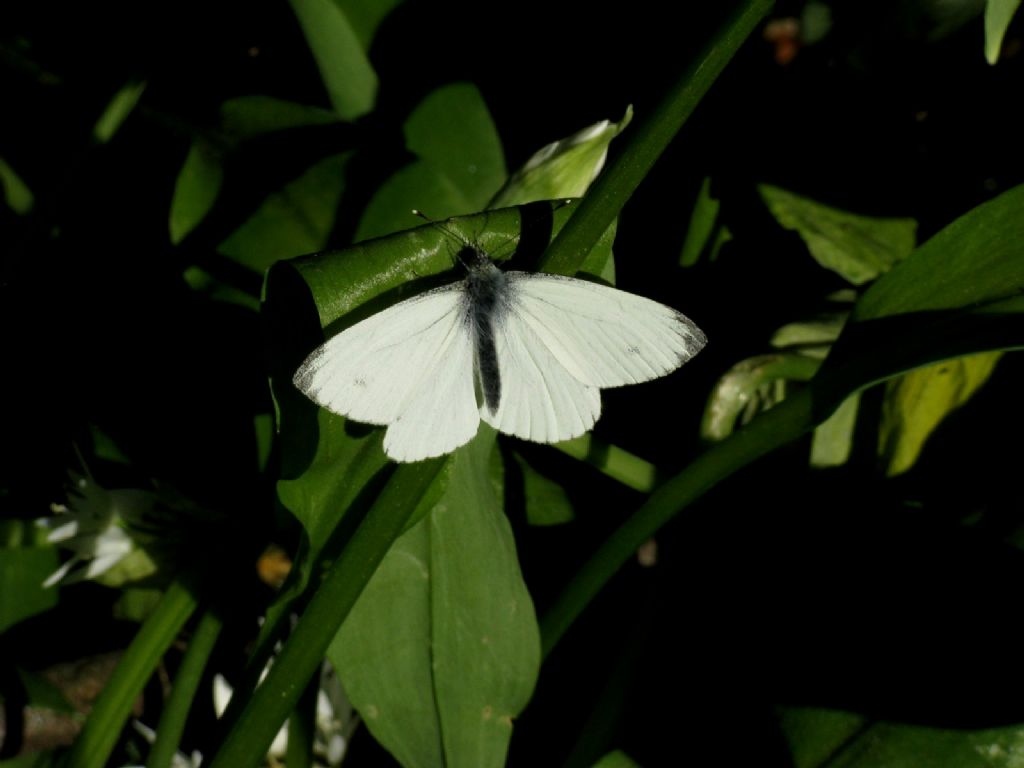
540,399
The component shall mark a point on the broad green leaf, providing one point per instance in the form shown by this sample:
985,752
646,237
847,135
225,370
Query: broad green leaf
998,15
616,759
814,735
442,649
246,117
451,130
961,292
859,248
196,189
564,168
459,164
340,56
22,573
390,208
917,402
17,195
296,219
117,111
702,226
833,438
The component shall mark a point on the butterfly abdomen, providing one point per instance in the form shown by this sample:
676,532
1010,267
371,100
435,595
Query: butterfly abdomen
485,295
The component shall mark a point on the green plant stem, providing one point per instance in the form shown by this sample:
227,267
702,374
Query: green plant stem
95,743
302,727
646,142
251,736
186,682
772,429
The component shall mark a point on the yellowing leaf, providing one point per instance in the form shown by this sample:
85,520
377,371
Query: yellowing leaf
917,402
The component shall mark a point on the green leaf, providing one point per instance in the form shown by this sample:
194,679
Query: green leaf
616,759
742,390
296,219
961,292
442,650
196,189
833,438
451,130
246,117
117,111
814,735
545,500
859,248
17,195
340,56
917,402
703,221
459,167
365,16
819,738
22,573
200,280
998,15
564,168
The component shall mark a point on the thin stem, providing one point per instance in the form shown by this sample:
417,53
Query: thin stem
772,429
186,682
300,658
646,142
95,743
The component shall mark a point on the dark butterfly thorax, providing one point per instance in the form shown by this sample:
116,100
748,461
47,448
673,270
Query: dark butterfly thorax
486,297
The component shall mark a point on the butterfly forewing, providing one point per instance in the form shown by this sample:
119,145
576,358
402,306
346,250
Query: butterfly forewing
603,336
409,366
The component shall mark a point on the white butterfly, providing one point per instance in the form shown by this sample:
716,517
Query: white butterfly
526,352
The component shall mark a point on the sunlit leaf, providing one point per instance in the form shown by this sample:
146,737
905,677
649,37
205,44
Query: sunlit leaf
340,56
296,219
832,440
860,248
998,15
917,402
564,168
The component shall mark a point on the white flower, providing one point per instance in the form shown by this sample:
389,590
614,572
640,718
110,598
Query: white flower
105,532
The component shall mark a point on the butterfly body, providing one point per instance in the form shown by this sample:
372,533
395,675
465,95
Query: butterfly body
525,352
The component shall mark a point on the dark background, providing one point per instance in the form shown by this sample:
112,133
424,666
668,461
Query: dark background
786,586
